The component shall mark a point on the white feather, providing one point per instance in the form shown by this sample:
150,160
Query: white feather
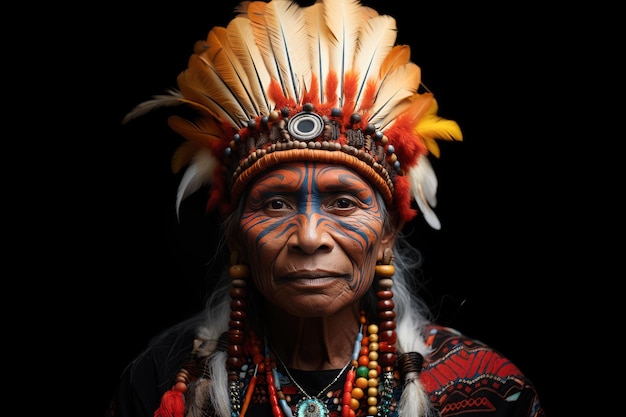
424,183
281,36
241,38
344,19
198,173
376,38
319,41
398,86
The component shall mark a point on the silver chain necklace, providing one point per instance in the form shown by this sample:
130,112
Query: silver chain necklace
310,406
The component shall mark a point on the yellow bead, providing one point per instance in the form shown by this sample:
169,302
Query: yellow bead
354,404
373,338
373,365
372,411
372,392
372,329
372,401
372,382
385,270
373,356
373,373
373,346
239,271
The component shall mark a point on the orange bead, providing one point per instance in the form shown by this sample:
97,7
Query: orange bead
180,387
357,393
361,383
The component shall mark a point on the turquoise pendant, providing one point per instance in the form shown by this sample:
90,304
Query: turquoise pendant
311,407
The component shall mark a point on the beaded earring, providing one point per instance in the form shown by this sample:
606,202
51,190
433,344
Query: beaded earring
236,330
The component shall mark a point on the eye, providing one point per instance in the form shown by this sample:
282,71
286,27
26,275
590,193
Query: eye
277,204
343,205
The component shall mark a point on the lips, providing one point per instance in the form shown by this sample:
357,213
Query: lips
310,275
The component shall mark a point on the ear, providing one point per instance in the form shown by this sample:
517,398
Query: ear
388,239
235,249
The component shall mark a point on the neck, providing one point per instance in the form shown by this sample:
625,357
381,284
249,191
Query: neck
314,343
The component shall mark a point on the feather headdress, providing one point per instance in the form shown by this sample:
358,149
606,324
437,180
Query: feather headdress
326,82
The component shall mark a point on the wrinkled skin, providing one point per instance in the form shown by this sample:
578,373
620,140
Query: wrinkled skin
312,234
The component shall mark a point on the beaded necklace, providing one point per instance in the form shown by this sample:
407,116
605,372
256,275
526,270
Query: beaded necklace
309,406
365,382
371,375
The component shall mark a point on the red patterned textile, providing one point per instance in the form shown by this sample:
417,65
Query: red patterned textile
465,377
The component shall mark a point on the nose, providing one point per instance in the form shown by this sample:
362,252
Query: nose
311,235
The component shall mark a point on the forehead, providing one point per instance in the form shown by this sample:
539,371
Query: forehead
299,173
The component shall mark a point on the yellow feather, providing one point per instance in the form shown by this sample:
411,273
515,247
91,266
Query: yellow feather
436,127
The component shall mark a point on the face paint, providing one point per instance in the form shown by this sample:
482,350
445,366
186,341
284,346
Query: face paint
312,233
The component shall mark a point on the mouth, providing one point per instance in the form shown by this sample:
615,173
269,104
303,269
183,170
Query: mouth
310,276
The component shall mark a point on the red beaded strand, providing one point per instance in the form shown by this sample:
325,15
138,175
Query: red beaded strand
386,313
387,336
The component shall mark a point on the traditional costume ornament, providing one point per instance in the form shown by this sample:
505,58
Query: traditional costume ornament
325,82
310,406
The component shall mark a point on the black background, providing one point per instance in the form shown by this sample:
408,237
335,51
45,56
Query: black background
488,271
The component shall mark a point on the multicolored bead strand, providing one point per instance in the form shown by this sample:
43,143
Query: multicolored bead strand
273,385
347,399
387,336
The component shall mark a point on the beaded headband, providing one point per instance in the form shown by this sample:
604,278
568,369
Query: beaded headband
325,82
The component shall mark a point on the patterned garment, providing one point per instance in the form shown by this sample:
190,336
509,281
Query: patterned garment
463,377
466,377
